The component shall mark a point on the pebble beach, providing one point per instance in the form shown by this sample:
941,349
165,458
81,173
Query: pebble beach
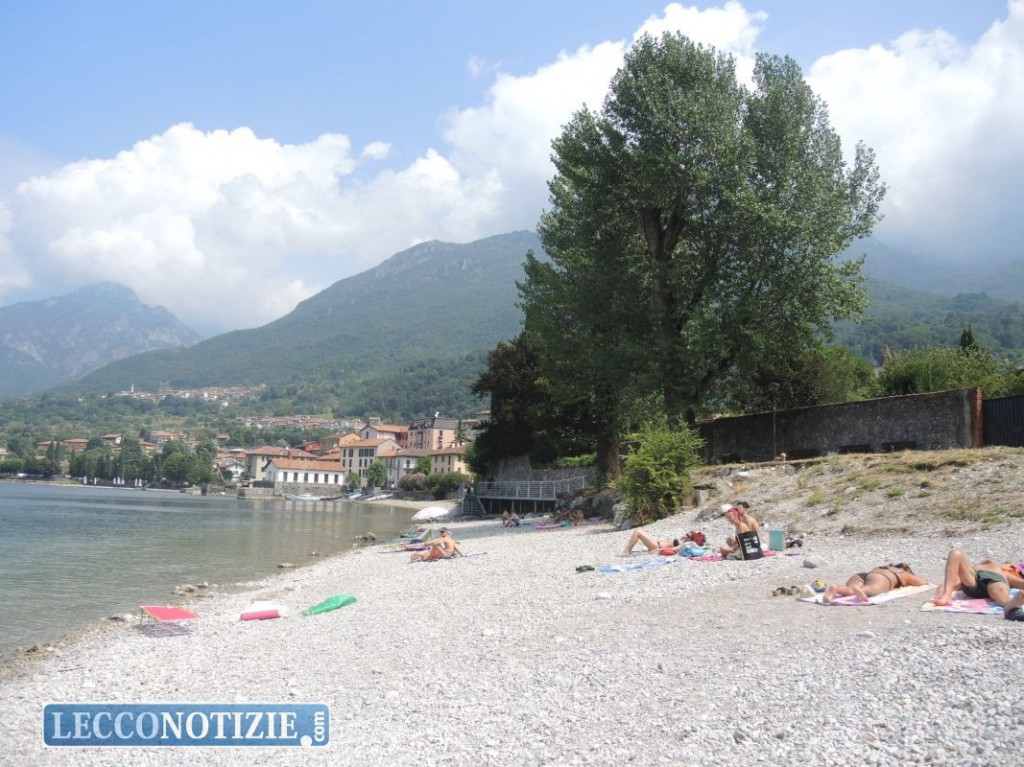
512,657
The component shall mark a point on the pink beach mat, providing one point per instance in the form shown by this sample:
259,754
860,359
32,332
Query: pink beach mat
964,604
720,558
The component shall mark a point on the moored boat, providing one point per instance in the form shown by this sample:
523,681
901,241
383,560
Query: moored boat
302,497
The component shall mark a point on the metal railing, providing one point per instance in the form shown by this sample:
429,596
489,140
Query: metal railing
541,491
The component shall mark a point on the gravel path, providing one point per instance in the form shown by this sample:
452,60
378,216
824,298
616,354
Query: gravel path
514,658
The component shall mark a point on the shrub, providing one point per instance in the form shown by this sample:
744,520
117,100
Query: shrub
413,482
442,484
656,478
933,369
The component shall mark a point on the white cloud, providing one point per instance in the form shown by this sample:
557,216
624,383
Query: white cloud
731,28
376,150
229,229
476,66
944,117
509,137
12,273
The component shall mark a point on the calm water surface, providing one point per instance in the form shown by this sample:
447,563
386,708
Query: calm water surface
70,556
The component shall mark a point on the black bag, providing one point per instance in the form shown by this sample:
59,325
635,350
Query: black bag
750,545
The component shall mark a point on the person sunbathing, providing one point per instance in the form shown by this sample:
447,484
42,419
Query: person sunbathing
652,543
875,582
1014,609
576,516
444,547
984,580
743,521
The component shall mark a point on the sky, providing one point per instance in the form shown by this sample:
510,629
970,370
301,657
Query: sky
227,160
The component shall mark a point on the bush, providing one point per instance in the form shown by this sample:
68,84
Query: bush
442,484
413,482
933,369
656,480
1004,384
577,461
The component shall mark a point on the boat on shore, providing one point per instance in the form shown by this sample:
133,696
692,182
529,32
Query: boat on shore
303,497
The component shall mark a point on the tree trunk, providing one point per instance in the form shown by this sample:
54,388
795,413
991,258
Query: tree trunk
608,454
661,241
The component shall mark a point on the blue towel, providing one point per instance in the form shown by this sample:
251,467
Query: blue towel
638,566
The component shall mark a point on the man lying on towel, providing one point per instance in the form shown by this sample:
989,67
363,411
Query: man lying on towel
443,547
984,580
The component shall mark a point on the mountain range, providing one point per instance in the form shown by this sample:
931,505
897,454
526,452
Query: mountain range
415,328
431,302
44,343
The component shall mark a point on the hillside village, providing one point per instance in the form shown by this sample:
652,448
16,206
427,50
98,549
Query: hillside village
331,463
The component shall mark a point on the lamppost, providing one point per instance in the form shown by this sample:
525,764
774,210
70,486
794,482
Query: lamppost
773,387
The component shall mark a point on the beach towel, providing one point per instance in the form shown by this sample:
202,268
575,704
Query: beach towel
964,604
660,562
719,558
260,611
852,601
329,604
457,556
693,550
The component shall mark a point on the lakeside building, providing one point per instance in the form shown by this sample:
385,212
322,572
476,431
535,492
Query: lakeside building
307,473
449,460
377,430
256,460
356,457
401,463
435,433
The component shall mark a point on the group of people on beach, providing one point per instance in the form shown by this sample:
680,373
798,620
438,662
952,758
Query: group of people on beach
986,579
982,580
738,516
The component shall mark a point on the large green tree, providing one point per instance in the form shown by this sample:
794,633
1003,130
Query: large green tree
377,474
714,209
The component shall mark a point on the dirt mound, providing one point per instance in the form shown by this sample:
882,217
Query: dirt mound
915,492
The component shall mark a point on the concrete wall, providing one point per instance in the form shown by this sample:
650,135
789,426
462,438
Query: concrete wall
933,421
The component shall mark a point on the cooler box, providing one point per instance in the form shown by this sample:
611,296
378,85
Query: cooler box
776,540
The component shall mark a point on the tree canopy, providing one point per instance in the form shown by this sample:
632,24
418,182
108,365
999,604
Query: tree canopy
692,232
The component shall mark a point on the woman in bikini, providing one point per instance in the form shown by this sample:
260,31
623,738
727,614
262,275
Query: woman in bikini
877,581
652,543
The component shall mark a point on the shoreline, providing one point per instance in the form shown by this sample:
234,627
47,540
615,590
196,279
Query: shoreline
514,657
46,643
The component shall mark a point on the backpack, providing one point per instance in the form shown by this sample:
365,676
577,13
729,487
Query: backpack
697,537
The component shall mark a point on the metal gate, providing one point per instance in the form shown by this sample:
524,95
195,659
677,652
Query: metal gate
1002,421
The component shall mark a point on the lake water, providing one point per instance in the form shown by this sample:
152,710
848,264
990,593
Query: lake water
71,556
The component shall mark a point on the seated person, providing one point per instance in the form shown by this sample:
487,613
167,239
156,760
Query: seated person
984,580
576,516
506,518
444,547
748,519
877,581
743,521
563,514
652,543
513,519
